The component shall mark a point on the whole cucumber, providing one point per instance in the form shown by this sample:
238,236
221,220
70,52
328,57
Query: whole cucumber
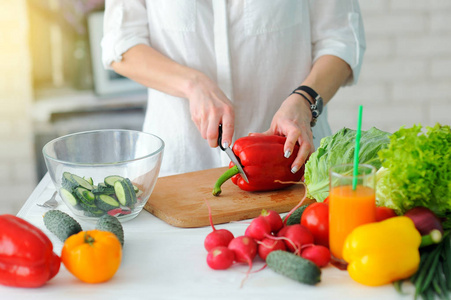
294,267
111,224
61,224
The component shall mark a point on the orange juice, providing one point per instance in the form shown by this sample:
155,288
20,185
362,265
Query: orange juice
348,209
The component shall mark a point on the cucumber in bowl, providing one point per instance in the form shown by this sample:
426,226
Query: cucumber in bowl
115,196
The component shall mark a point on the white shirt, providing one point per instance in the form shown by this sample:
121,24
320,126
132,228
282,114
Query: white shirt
258,51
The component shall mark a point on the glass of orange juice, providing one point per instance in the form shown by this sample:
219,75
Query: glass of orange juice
352,202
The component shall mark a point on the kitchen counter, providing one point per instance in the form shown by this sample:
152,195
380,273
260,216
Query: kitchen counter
165,262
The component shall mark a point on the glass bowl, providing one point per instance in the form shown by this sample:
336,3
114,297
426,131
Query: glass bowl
104,171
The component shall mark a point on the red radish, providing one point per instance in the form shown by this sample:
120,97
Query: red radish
220,258
295,236
216,238
245,249
273,218
267,245
258,229
318,254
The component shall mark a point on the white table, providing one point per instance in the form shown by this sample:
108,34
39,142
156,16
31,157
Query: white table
165,262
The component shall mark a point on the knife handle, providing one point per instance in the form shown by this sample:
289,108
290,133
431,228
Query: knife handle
220,138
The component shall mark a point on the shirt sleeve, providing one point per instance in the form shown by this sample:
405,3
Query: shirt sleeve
337,29
125,25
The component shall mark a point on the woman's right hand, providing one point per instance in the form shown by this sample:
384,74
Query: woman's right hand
209,107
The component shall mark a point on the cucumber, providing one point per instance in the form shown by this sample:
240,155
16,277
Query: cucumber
93,211
131,189
89,179
110,180
294,267
111,224
123,193
115,191
68,182
84,195
295,217
82,182
69,197
102,188
61,224
106,203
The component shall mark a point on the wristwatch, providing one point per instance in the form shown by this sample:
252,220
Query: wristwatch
317,107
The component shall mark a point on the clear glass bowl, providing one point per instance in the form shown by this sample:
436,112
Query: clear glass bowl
105,171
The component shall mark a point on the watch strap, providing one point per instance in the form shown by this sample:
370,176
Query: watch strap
317,107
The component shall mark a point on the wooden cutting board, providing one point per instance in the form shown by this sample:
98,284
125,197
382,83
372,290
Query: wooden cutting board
180,200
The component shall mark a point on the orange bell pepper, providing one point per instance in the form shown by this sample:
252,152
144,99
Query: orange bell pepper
92,256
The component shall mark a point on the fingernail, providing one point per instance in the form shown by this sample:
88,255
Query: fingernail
225,145
287,154
294,169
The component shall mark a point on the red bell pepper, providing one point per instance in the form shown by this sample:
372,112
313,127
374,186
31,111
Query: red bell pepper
26,254
263,161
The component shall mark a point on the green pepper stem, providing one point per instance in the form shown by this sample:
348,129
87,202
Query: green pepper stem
88,239
434,237
223,178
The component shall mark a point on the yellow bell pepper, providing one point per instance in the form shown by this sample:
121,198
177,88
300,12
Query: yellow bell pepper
383,252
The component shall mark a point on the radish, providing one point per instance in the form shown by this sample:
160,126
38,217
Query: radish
218,237
220,258
295,236
245,249
318,254
258,229
267,245
273,218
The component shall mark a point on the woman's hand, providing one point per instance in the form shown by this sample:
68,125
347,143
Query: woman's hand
293,121
210,107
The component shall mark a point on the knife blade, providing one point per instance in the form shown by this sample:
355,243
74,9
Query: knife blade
231,155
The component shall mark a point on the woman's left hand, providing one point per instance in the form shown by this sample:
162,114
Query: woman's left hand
292,120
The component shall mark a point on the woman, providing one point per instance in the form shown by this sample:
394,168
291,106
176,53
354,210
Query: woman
235,63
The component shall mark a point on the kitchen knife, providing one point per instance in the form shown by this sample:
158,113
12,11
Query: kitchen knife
231,155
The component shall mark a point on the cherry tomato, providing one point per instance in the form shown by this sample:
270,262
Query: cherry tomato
316,218
383,213
326,200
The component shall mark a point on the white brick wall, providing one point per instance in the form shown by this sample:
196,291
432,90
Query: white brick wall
406,74
405,80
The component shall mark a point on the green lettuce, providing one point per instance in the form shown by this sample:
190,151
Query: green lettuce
339,149
416,170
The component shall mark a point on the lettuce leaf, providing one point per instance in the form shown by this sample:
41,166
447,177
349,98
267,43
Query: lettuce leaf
416,170
339,149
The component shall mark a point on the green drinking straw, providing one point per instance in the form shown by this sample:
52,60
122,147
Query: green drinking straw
357,149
